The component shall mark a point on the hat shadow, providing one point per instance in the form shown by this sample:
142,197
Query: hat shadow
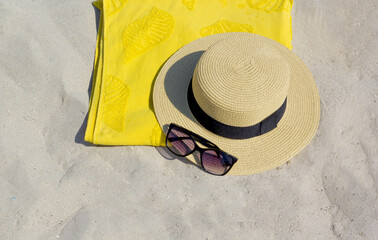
176,85
177,81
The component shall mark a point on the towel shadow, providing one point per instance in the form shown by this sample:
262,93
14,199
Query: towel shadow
97,16
79,137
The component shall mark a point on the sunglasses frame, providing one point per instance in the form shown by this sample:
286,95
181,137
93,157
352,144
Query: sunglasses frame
196,138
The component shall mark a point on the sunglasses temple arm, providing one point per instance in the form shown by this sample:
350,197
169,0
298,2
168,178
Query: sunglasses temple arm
202,140
178,138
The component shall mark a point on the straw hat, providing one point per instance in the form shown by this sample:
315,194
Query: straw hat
248,94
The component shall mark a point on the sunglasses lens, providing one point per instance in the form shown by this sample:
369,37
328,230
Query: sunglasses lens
179,142
215,162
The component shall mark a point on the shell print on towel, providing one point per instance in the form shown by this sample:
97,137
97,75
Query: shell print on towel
270,6
146,33
223,26
115,6
189,4
115,100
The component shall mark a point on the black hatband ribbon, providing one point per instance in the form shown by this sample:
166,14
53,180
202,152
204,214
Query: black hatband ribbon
234,132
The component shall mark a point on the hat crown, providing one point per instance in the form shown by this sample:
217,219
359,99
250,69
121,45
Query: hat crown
241,80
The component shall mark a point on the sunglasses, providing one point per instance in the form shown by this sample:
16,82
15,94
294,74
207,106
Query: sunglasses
182,142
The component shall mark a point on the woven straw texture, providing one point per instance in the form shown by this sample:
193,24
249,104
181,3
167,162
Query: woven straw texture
241,81
296,128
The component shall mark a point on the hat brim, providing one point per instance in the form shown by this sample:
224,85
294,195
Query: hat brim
294,131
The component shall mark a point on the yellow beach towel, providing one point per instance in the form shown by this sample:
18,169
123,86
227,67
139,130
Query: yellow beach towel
136,37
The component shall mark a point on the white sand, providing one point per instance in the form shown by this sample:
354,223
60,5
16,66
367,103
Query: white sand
52,186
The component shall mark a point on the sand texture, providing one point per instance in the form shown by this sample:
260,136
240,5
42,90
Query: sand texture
53,185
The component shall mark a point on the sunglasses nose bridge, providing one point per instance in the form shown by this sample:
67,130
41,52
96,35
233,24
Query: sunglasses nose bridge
202,145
